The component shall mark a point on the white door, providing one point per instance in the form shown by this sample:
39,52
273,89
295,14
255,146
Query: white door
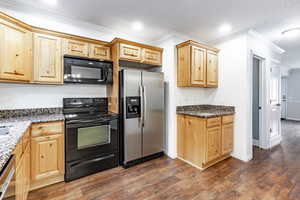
275,111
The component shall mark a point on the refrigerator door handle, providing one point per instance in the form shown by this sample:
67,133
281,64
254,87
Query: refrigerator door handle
142,104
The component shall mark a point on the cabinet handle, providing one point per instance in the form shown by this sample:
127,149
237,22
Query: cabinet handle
42,156
50,145
17,55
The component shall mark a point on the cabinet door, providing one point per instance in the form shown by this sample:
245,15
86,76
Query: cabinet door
15,58
130,52
181,130
213,144
212,69
151,57
198,67
47,157
99,52
227,138
47,59
76,48
184,66
20,180
27,171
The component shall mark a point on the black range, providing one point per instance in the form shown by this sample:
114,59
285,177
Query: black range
92,137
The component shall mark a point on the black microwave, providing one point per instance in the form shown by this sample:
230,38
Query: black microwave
87,71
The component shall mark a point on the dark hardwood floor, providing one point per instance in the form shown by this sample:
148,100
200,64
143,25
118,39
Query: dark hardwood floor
272,174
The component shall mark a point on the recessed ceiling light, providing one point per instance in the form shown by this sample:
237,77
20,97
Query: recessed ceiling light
292,32
225,28
50,2
137,26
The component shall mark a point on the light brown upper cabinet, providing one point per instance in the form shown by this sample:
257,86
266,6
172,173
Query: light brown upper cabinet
130,52
137,52
85,49
212,69
197,65
16,52
151,57
76,48
47,59
99,51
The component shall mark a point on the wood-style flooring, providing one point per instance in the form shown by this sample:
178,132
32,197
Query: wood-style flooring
272,175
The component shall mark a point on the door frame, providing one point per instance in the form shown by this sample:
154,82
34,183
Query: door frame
263,141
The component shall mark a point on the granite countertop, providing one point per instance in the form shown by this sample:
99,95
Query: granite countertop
18,121
205,111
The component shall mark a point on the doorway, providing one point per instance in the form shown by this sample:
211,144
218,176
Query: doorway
256,99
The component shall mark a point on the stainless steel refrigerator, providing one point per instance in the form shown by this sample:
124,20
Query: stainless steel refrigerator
142,115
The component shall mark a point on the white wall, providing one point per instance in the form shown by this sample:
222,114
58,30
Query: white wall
231,90
259,46
234,88
233,63
21,96
16,96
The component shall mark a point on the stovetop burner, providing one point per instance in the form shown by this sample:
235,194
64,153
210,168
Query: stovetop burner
76,109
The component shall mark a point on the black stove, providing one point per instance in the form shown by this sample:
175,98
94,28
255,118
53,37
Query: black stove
92,136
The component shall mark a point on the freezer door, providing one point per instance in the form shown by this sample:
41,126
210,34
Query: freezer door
153,97
133,126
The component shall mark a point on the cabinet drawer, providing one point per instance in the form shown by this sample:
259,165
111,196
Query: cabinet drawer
227,119
25,140
130,52
49,128
211,122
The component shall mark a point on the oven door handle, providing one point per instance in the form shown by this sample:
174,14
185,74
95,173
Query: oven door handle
7,175
85,123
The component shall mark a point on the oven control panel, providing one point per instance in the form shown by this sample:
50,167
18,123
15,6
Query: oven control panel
133,107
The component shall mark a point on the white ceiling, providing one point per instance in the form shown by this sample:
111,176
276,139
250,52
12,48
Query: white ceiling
197,19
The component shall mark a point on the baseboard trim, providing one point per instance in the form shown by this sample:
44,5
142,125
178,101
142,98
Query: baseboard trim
256,143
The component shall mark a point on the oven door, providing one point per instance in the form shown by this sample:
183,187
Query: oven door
89,139
7,181
87,71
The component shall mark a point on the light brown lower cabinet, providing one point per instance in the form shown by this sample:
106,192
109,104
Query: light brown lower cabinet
203,142
47,154
22,175
39,160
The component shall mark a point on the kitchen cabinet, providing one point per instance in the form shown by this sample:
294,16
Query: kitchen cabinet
202,142
137,52
22,174
197,65
16,52
227,134
213,143
151,57
212,69
76,48
47,155
130,52
99,52
48,66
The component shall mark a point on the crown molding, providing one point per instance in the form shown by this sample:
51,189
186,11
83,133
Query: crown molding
269,43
